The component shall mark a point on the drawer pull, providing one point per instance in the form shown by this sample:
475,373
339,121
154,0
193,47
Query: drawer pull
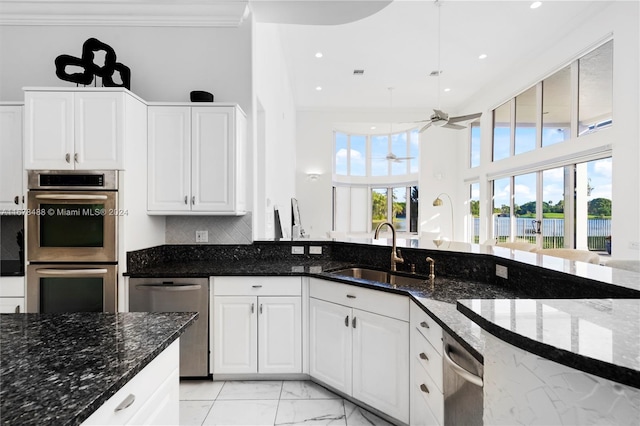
257,286
424,356
346,321
126,403
424,324
351,296
424,388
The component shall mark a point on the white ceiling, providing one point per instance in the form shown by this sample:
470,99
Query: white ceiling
397,47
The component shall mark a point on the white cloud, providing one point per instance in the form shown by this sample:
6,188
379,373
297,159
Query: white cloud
603,167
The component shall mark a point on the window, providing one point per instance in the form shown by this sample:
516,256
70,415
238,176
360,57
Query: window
474,214
375,181
474,155
523,123
572,208
371,155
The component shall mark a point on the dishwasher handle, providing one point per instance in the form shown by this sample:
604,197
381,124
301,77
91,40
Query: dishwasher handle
168,287
461,371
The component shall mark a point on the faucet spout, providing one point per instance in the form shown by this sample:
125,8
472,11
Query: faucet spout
395,254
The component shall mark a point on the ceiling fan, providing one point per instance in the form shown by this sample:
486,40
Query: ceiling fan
440,118
391,156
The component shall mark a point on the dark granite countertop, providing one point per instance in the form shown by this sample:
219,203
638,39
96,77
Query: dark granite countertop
59,368
597,336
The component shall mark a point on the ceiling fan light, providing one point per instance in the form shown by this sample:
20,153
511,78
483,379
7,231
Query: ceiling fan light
439,122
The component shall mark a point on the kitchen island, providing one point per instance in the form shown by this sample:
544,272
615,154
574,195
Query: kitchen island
61,368
558,361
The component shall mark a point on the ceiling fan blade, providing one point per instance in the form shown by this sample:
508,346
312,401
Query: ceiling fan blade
441,114
454,126
464,117
425,127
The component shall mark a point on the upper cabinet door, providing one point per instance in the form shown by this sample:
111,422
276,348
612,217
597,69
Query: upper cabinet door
169,165
11,157
212,159
99,130
49,131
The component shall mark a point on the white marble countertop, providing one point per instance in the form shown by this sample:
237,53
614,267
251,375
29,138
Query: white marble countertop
598,336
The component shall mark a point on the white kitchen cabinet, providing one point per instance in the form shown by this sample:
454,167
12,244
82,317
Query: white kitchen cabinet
259,330
427,385
12,295
151,397
356,350
196,161
81,129
11,184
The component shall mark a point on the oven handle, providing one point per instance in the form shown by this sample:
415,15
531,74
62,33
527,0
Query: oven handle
70,197
461,371
169,287
51,271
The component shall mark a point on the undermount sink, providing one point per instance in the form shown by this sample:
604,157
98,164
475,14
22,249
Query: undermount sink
379,276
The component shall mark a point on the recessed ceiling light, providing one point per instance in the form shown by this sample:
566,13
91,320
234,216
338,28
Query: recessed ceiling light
483,56
373,127
319,55
447,90
535,4
318,88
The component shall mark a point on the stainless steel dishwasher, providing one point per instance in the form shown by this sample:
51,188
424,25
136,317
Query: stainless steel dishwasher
463,393
178,295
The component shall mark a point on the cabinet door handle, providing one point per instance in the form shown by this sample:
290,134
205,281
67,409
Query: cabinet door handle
193,200
346,321
424,356
424,324
261,308
353,322
350,296
75,157
17,309
67,158
253,307
424,388
126,403
16,199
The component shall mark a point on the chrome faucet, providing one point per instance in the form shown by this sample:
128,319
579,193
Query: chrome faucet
396,257
432,268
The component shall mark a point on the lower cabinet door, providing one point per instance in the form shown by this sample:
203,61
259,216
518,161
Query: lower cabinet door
381,363
279,335
330,344
235,334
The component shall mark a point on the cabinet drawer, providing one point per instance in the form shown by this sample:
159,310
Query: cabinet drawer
426,325
431,395
142,386
376,301
421,414
257,286
425,356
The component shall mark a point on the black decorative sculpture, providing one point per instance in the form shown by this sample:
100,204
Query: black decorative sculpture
91,69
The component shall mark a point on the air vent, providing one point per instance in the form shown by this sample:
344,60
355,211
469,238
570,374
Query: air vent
358,72
435,73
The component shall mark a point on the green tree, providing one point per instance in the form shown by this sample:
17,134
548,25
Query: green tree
379,206
475,208
599,207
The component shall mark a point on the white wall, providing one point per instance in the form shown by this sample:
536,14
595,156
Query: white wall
621,20
275,138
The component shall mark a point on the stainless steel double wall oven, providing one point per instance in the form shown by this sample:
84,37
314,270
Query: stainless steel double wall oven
72,241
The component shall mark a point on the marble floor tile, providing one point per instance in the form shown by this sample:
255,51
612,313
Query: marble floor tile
251,390
194,412
242,412
310,412
357,416
293,389
194,390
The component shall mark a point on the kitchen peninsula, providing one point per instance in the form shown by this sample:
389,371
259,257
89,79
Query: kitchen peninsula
62,368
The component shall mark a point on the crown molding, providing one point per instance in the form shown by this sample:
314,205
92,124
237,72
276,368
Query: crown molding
152,13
